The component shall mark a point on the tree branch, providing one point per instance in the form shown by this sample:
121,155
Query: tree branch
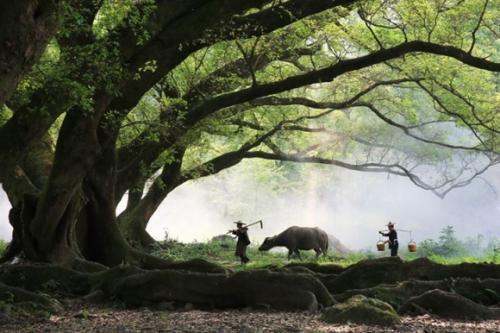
329,73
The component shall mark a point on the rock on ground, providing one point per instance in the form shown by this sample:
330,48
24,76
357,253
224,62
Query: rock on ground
362,310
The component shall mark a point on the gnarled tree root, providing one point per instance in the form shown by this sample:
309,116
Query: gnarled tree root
317,268
486,292
282,291
448,305
27,300
207,285
45,278
136,287
370,273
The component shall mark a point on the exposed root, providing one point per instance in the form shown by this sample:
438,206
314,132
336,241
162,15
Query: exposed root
243,289
45,278
486,292
26,300
198,265
317,268
295,287
370,273
147,261
448,305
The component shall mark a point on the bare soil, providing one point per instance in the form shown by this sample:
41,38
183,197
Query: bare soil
78,318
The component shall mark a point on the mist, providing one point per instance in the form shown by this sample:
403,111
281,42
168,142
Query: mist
350,205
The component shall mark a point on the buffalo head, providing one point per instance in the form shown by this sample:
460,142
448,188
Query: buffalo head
267,244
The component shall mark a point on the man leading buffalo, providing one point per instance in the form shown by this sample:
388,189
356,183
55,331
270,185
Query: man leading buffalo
243,241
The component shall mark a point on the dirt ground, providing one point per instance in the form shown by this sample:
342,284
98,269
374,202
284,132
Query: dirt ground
101,319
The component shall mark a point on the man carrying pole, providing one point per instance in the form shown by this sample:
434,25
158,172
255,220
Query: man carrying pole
243,241
393,239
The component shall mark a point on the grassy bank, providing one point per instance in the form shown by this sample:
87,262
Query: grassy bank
3,246
446,248
222,252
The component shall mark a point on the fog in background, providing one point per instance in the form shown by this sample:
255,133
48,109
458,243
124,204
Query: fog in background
351,205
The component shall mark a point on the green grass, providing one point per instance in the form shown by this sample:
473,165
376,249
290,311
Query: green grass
222,252
3,246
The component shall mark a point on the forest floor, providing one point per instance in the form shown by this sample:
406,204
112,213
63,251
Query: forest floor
77,318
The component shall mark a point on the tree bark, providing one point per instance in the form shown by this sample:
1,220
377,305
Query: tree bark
105,242
25,28
76,151
134,220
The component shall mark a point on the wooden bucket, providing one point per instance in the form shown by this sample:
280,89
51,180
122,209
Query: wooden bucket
380,246
412,246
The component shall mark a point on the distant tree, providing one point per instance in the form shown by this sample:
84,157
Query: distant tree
449,245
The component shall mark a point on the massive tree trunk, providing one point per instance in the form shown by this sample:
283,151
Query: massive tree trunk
25,28
30,175
134,220
104,242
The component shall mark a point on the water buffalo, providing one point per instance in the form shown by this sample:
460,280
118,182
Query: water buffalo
298,238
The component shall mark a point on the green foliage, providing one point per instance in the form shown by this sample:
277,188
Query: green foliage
3,246
446,250
222,252
129,47
5,114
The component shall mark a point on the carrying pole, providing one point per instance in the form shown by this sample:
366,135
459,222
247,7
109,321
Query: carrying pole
257,222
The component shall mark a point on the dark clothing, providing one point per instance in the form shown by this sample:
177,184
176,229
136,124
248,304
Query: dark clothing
241,249
241,245
242,235
393,242
394,249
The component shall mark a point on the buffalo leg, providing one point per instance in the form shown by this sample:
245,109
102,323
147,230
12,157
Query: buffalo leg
290,252
298,254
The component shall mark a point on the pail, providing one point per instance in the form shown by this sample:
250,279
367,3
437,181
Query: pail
380,246
412,246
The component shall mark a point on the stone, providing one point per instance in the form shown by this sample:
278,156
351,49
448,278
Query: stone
362,310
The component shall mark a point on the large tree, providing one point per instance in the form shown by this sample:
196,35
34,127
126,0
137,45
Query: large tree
25,29
133,90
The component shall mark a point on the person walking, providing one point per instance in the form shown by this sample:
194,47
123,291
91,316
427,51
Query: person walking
393,239
243,241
